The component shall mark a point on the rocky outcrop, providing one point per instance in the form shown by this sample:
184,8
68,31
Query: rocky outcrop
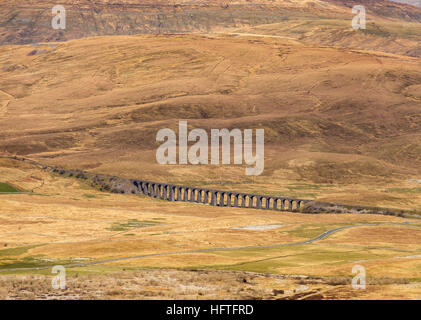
30,21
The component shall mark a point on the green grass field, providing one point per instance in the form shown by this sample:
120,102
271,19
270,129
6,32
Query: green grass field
5,188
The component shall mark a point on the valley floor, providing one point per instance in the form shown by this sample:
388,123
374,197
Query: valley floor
128,246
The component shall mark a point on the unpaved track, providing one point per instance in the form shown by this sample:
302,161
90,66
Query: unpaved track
258,35
320,237
3,108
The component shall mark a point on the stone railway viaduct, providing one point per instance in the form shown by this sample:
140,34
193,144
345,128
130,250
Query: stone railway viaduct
219,198
171,192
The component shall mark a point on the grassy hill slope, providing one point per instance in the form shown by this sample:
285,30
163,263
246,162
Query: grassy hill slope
339,125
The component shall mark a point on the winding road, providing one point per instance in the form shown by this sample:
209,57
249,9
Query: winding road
309,241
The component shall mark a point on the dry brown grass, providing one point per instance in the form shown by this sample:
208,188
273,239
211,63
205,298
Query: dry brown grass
379,235
174,284
147,284
60,225
340,126
332,130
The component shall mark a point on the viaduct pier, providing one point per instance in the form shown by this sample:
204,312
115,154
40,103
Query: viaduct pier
219,198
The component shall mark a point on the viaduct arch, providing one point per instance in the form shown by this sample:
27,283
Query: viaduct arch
218,198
